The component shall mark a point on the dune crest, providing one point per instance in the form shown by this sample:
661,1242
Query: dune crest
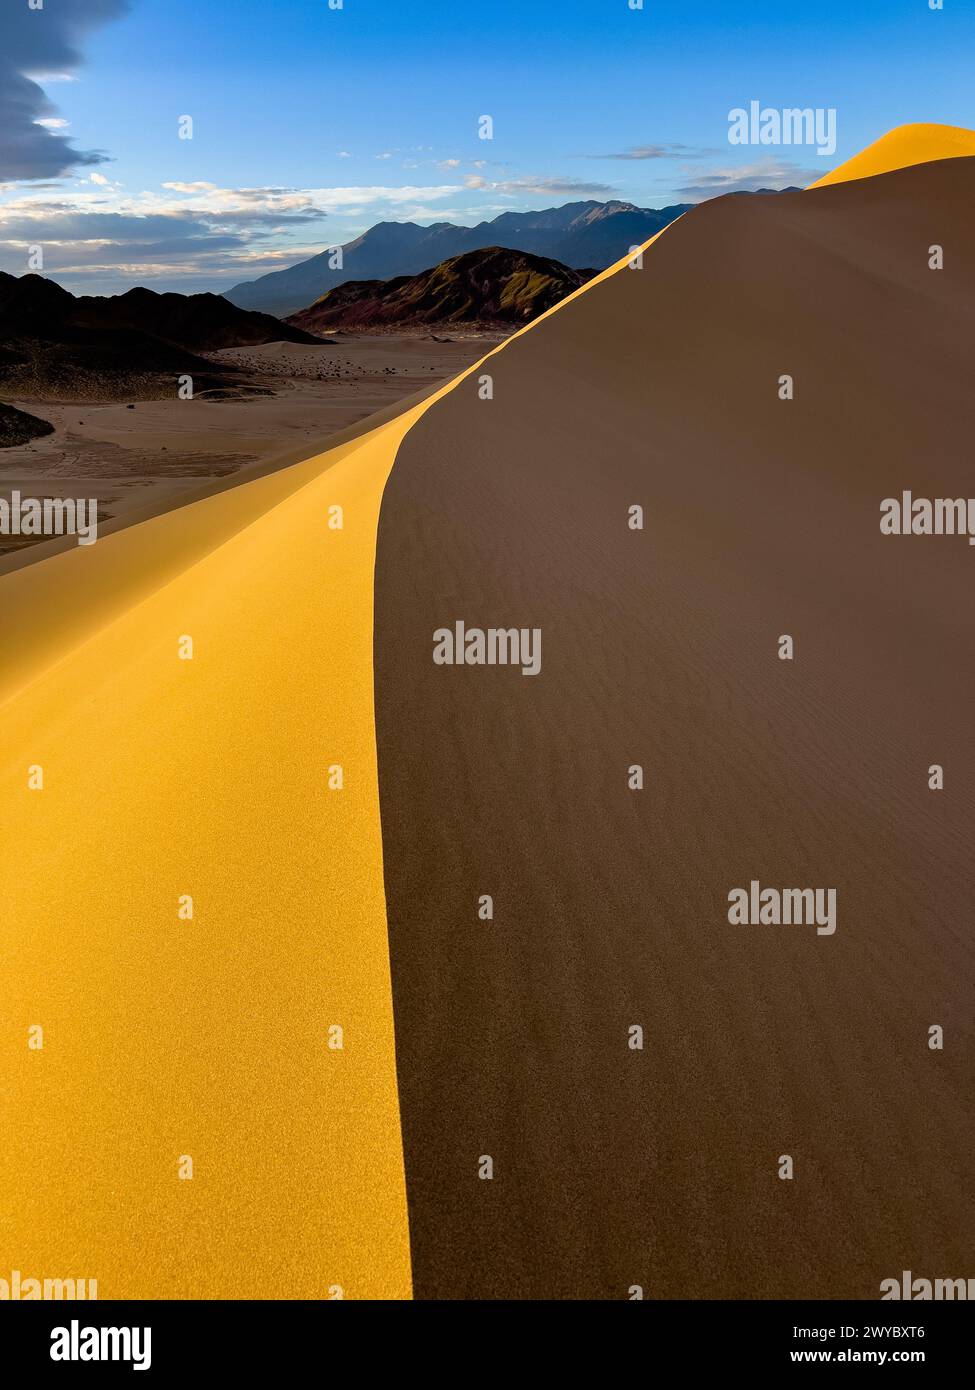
919,143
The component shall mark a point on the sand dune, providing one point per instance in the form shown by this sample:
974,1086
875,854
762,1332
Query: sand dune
658,1168
165,1038
906,145
208,1038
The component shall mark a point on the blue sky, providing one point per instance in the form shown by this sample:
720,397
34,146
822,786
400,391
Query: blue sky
311,124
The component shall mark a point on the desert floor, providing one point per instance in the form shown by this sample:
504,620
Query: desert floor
157,453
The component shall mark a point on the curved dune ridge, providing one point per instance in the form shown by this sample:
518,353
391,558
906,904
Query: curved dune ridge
902,147
166,1038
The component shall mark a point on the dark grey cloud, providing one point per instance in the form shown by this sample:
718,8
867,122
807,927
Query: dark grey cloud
34,43
60,222
68,224
163,250
198,260
93,251
269,218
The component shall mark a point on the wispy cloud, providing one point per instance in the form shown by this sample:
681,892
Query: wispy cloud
746,178
543,187
664,151
643,152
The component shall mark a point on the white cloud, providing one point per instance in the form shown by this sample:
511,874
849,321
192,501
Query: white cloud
772,172
200,187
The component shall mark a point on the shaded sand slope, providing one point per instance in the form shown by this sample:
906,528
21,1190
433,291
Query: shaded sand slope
207,1038
658,1168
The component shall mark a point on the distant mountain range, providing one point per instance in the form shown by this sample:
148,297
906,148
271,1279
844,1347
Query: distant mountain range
490,287
54,345
588,234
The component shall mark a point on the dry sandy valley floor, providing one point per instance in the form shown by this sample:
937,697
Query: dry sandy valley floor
152,452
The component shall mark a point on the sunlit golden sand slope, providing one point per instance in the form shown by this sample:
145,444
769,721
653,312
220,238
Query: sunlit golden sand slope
902,147
207,1037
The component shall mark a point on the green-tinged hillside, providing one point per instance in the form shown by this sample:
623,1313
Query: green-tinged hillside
489,287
